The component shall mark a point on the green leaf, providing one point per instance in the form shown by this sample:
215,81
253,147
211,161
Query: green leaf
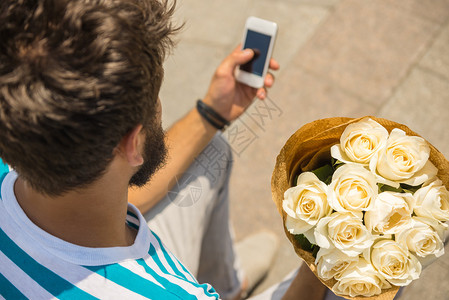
306,245
295,181
410,188
387,188
336,163
324,173
304,242
315,250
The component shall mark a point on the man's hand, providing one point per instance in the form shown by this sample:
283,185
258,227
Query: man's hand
229,97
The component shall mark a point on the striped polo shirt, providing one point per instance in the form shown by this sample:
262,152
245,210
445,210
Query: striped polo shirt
37,265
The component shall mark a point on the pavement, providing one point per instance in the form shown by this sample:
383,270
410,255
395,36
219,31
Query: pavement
385,58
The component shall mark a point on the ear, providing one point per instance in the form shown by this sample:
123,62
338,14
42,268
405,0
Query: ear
131,146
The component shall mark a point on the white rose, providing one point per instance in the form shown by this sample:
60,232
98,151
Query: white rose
405,159
330,263
344,231
423,238
305,204
360,141
360,279
392,213
432,201
353,188
394,262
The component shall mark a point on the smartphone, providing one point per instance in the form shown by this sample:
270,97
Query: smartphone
259,35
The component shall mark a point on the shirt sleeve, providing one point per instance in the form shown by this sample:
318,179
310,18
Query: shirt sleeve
4,169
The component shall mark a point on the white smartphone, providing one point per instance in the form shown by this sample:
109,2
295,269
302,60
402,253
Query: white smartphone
260,36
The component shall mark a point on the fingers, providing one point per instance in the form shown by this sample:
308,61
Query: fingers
261,93
237,57
269,80
274,65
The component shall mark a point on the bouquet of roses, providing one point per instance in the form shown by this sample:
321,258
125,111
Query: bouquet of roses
364,203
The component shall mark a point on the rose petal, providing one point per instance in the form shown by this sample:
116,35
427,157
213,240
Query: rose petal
296,226
427,173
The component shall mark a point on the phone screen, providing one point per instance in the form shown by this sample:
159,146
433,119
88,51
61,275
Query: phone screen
259,43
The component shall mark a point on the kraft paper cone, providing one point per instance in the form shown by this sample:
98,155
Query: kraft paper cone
309,148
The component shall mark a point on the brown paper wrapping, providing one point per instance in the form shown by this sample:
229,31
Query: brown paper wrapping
307,149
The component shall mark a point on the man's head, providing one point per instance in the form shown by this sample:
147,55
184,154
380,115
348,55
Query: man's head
75,77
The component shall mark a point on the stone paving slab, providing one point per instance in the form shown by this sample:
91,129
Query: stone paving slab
434,10
366,47
422,103
297,23
187,75
437,58
326,3
217,21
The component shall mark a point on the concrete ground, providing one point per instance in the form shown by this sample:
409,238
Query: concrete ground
386,58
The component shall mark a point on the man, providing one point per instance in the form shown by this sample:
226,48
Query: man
80,122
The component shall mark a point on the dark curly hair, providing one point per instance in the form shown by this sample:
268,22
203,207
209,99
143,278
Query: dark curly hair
75,77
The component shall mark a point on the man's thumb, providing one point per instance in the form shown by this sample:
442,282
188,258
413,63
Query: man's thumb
238,57
244,56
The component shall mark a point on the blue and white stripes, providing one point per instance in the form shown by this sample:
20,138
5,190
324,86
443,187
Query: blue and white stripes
4,169
34,266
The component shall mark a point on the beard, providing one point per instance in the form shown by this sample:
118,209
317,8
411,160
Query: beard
154,155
